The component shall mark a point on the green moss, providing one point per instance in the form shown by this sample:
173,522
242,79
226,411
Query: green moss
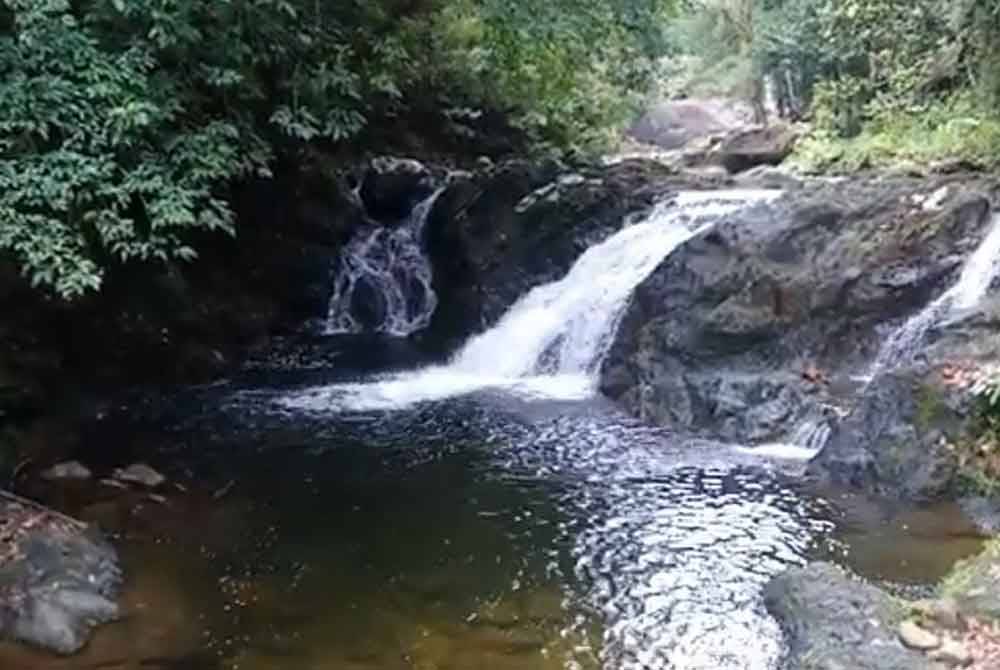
931,407
967,574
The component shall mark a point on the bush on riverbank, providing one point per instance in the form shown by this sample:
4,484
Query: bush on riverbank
979,457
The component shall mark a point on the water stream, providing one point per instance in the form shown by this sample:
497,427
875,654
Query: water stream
383,282
494,512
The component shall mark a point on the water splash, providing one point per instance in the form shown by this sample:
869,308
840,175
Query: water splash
552,341
384,280
978,274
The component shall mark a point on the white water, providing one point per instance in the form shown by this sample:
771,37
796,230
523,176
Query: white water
390,264
552,341
978,273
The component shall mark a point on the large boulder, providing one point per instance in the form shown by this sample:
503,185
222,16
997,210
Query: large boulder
835,622
763,324
675,123
58,579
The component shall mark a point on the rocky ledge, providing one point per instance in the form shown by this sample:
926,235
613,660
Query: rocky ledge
769,322
58,579
837,622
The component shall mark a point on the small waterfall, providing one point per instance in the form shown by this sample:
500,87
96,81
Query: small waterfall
552,341
567,326
384,280
978,273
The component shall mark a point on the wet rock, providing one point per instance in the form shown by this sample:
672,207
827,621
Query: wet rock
715,339
141,474
984,512
974,584
915,637
896,440
943,613
68,470
834,622
391,187
952,654
493,237
58,579
749,148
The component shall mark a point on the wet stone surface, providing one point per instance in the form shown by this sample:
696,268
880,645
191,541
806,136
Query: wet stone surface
58,578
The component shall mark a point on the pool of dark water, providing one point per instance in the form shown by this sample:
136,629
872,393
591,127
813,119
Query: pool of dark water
488,531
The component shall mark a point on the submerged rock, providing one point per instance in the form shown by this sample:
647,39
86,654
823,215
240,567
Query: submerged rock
67,470
141,474
58,579
834,622
913,636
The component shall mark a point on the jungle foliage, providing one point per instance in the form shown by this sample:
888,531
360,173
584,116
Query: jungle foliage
883,81
123,121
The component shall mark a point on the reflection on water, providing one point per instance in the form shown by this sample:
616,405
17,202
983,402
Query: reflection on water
487,532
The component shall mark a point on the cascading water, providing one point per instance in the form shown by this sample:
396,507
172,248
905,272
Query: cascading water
384,280
978,273
552,341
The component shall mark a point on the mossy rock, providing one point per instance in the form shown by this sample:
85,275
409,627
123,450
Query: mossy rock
975,584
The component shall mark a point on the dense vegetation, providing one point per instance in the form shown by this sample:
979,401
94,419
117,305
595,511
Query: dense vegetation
883,81
122,121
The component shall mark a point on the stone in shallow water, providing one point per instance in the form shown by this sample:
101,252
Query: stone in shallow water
58,579
140,473
835,621
915,637
67,470
952,654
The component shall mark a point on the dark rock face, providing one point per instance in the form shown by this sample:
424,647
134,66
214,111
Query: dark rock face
834,622
749,148
391,187
760,324
58,580
895,441
495,236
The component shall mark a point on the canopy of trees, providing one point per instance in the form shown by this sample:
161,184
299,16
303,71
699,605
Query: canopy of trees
920,71
121,121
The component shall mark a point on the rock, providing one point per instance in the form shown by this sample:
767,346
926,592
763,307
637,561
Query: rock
716,339
944,613
672,124
952,654
392,186
746,149
915,637
835,622
67,470
495,236
141,474
58,578
974,584
895,440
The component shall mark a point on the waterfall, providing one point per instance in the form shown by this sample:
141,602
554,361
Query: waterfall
978,273
552,341
567,326
384,280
